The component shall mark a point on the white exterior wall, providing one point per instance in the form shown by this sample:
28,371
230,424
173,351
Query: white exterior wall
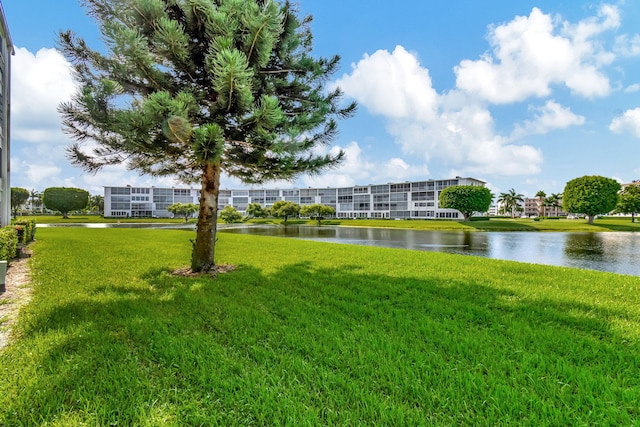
6,50
418,199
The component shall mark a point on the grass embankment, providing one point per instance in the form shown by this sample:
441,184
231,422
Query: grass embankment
92,219
493,224
307,333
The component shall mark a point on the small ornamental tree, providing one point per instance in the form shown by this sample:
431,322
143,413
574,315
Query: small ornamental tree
230,214
255,210
19,197
591,196
194,89
284,210
65,200
183,209
629,200
466,198
317,211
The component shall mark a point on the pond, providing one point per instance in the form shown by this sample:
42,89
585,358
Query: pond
609,251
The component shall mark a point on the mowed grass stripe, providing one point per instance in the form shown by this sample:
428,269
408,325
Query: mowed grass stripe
307,333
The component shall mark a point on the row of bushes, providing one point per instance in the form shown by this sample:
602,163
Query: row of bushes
10,236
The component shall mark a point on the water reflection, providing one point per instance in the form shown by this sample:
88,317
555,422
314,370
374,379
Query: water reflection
613,252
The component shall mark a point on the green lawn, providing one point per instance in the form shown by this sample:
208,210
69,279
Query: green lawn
84,219
494,224
308,333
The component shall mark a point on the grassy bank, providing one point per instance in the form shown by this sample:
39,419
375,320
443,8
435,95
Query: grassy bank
306,333
493,224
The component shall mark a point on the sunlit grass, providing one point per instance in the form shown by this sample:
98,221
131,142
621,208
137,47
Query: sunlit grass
493,224
307,333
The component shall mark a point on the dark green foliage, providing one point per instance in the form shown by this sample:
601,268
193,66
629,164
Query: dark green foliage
183,209
317,211
283,209
590,195
255,210
510,202
19,196
65,200
466,198
26,230
629,200
196,88
229,214
8,243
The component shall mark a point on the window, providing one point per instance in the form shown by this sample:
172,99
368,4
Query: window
376,189
360,190
398,188
120,190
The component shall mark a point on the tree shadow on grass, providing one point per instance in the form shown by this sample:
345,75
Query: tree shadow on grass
321,346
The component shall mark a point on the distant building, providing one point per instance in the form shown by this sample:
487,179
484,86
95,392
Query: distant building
534,206
408,200
6,50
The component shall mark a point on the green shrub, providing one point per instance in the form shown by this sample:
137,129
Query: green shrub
26,229
8,243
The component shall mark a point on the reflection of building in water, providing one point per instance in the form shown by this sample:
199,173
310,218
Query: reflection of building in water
417,200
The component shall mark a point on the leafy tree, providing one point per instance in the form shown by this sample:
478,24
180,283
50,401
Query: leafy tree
65,200
629,200
317,211
230,214
541,196
19,197
590,195
466,198
283,209
255,210
511,201
197,88
183,209
96,203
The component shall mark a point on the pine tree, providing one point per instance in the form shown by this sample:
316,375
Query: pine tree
195,88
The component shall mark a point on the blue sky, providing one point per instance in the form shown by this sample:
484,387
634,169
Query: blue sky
521,94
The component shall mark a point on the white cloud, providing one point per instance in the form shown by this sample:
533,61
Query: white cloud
406,91
358,169
628,122
454,128
549,117
40,82
529,55
628,46
632,88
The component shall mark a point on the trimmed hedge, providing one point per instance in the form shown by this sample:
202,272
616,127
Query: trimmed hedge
26,229
8,243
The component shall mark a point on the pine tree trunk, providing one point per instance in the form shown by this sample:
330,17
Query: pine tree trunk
203,249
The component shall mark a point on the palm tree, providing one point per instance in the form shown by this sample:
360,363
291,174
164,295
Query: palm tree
511,201
35,200
541,196
554,201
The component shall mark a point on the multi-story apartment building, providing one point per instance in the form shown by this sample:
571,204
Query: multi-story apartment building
535,207
417,199
6,50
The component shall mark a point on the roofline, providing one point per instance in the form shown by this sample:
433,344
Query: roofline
5,27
